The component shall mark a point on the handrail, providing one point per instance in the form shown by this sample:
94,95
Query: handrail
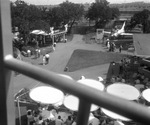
121,106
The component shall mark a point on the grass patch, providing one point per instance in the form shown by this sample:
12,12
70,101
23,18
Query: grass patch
85,58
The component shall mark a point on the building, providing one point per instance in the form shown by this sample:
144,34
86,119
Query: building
127,10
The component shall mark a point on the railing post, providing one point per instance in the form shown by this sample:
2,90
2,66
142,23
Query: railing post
83,112
7,109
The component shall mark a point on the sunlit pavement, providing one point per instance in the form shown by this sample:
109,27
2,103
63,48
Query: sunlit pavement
59,59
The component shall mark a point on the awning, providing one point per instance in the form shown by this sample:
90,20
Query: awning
39,32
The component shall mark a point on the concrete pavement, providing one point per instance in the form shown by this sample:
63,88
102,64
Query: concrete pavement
59,59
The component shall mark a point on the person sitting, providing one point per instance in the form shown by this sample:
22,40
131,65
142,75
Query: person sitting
137,81
123,80
74,121
148,84
113,80
118,123
140,87
145,81
69,121
58,121
36,116
47,58
40,121
30,118
44,60
118,79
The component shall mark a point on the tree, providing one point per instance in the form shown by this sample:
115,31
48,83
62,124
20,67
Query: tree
115,12
28,17
54,17
143,19
101,13
70,12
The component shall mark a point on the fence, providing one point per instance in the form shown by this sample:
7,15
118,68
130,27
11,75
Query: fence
86,95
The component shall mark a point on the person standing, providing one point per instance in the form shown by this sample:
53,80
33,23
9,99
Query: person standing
47,58
39,53
69,121
120,48
58,121
44,60
29,53
108,45
36,53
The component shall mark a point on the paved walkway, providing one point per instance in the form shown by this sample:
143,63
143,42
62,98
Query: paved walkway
59,59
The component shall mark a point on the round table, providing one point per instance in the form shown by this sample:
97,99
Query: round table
146,94
72,102
114,115
46,95
124,91
92,83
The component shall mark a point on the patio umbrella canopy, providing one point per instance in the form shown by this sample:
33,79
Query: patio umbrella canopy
72,102
66,76
46,95
123,91
92,83
37,32
146,94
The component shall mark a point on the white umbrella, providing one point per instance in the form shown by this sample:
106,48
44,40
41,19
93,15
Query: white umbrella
46,95
146,94
66,76
92,83
123,91
114,115
72,103
41,32
35,31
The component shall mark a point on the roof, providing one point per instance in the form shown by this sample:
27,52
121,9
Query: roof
142,44
39,32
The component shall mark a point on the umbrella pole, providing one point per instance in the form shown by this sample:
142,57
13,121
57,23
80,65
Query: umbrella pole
18,105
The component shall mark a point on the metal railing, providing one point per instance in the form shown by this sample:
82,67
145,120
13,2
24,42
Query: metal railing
86,94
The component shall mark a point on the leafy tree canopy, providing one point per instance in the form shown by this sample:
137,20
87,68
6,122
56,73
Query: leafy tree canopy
70,12
101,13
142,18
29,17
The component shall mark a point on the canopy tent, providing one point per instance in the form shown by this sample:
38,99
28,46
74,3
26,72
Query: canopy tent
40,36
38,32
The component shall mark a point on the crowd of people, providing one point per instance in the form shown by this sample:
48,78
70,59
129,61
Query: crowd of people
49,115
110,46
129,74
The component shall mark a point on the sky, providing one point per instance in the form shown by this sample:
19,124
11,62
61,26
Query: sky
54,2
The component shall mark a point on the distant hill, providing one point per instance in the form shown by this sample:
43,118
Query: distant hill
47,6
133,6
